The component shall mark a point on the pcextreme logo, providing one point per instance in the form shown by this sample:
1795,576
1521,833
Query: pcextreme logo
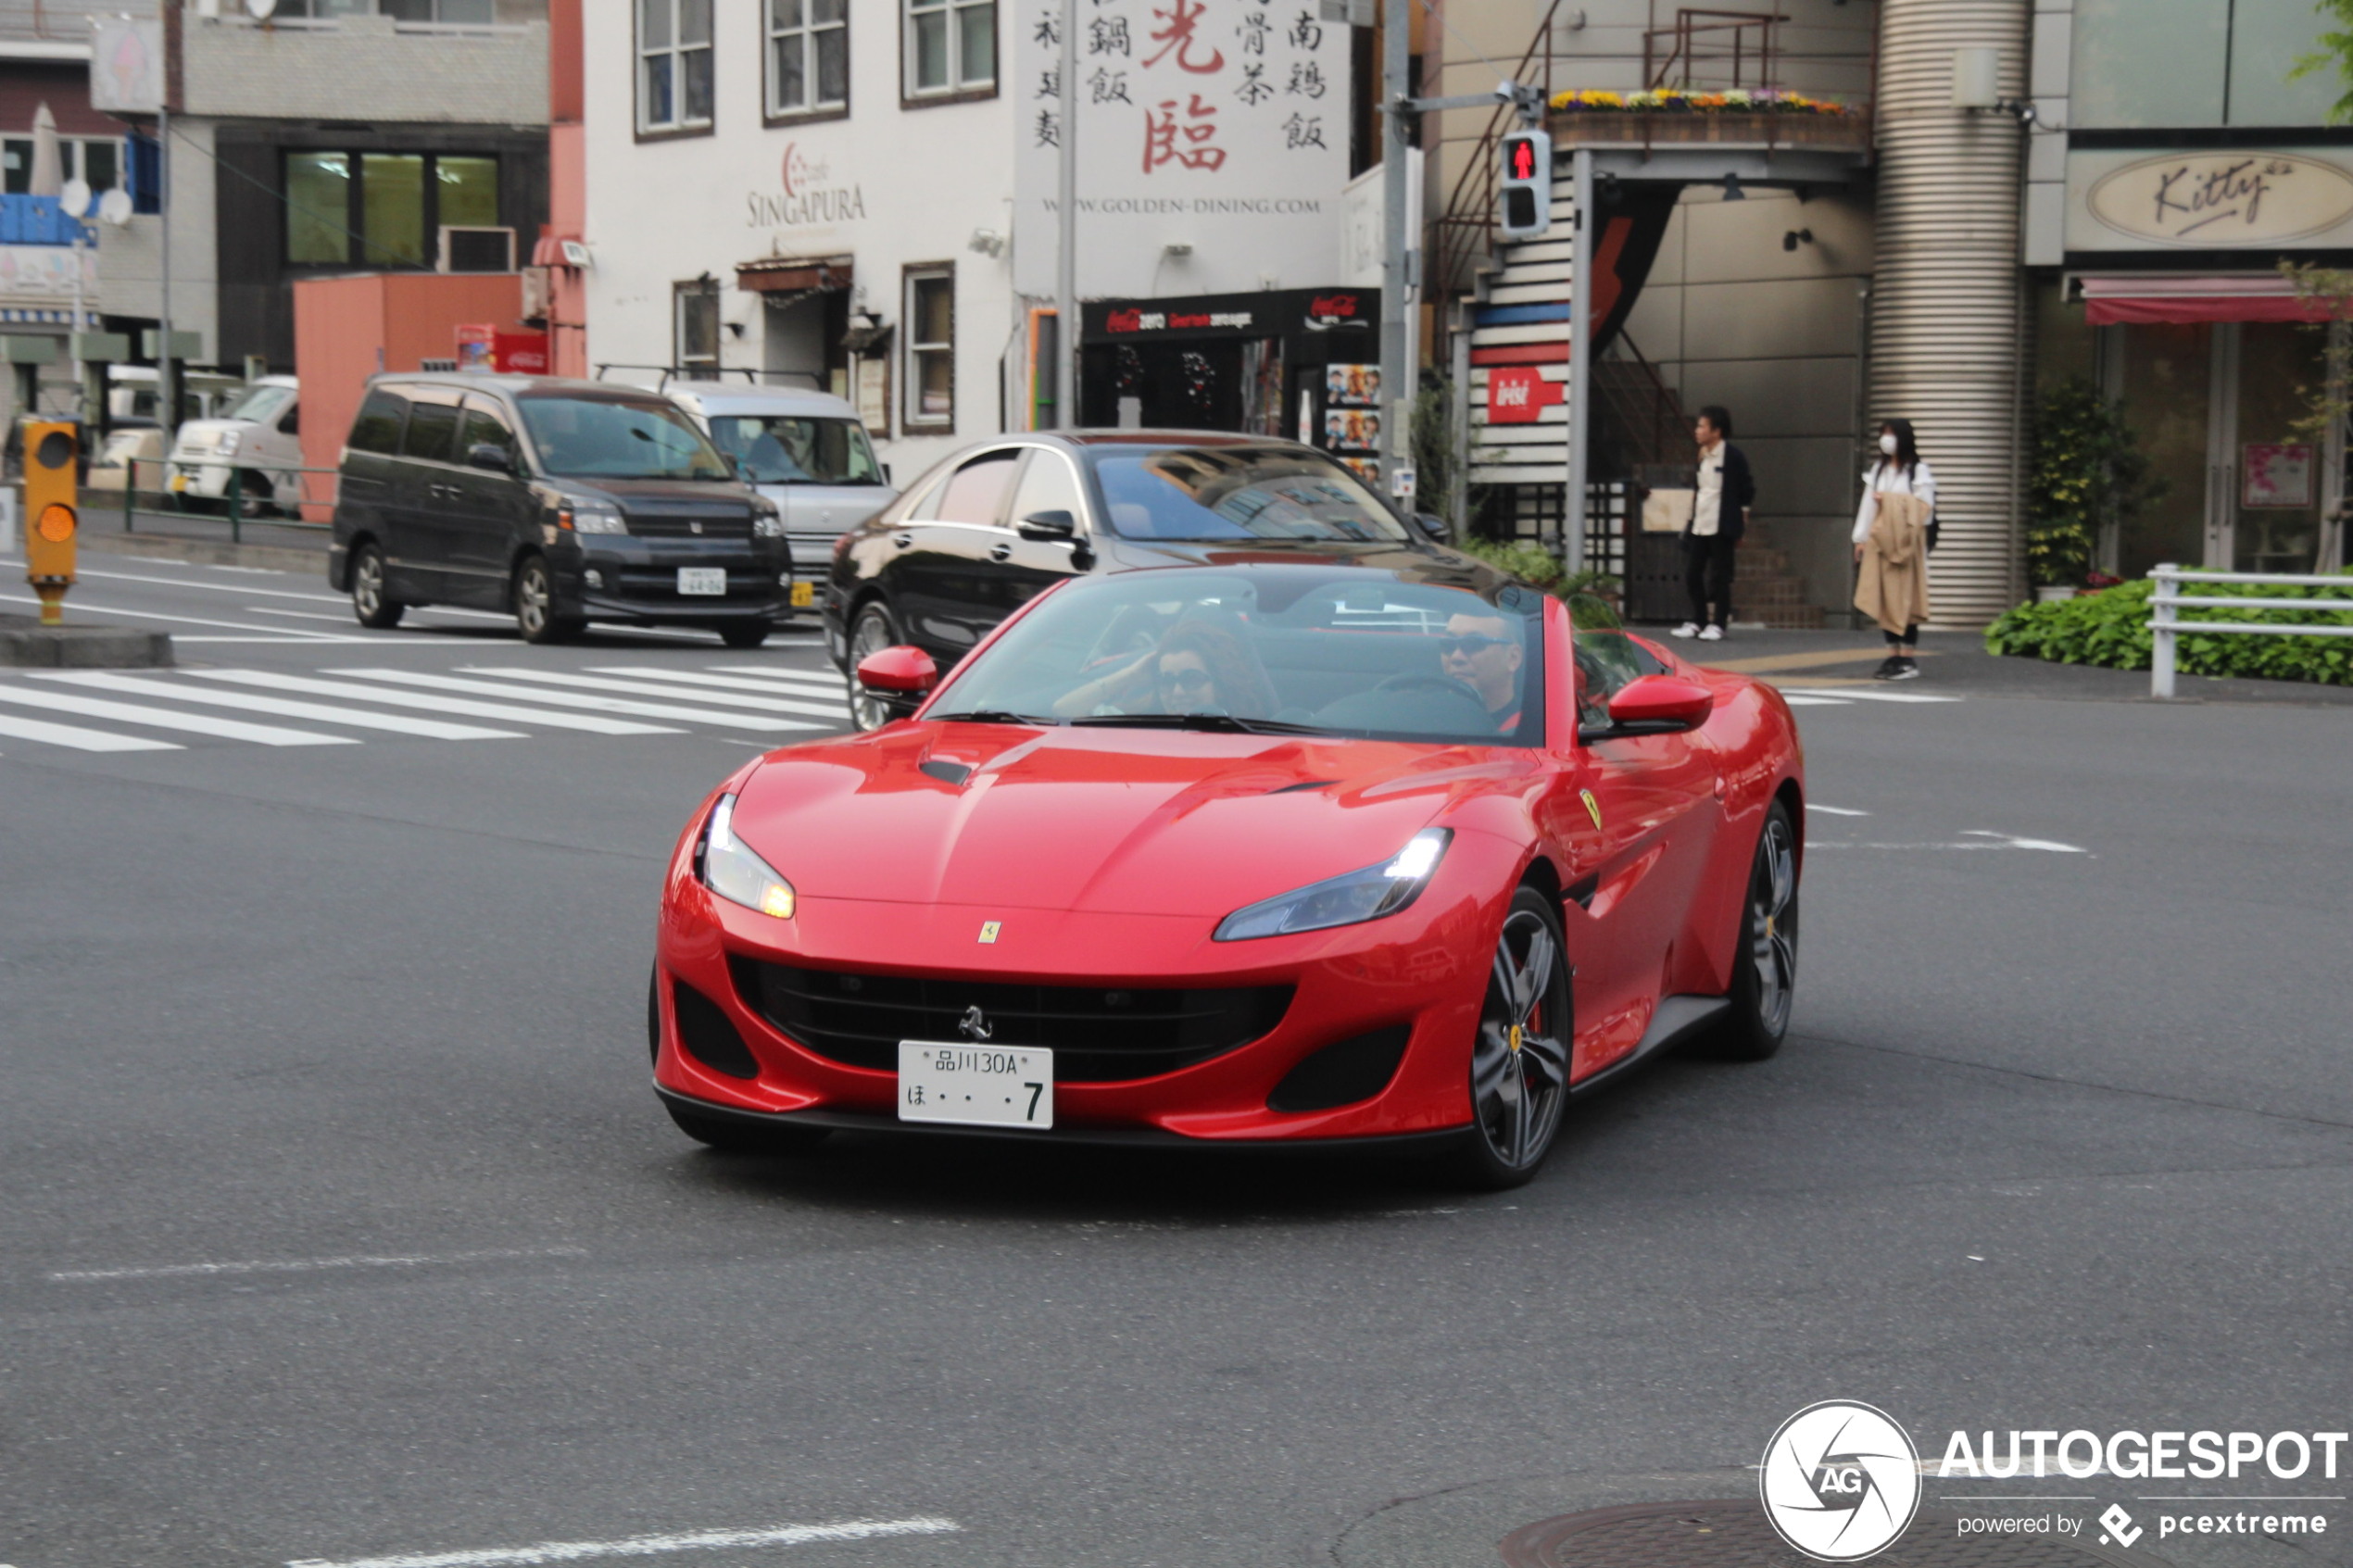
1841,1481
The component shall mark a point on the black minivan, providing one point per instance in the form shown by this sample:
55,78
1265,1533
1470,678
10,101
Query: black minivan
560,501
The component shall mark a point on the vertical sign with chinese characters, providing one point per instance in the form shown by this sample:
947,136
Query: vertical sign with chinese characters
1221,125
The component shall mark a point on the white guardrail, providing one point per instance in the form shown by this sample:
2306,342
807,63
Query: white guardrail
2164,628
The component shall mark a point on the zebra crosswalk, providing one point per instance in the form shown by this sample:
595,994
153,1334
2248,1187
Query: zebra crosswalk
106,710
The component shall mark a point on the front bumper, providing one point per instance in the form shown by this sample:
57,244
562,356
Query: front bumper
621,577
1425,969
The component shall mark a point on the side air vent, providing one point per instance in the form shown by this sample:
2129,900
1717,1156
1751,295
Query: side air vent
709,1037
1355,1068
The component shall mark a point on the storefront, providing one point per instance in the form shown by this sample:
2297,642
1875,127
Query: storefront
1301,363
2204,348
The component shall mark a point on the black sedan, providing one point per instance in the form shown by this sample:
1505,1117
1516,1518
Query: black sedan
986,529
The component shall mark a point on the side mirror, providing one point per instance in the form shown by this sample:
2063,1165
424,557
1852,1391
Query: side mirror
886,473
903,670
1048,525
487,455
1659,705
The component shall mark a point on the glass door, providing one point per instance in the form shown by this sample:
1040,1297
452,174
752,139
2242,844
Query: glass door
2162,382
2270,506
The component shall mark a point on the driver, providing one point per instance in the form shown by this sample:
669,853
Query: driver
1482,652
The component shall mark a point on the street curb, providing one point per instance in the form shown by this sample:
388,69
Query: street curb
26,645
277,558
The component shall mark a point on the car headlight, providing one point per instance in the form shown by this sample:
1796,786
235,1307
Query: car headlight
229,443
590,516
1344,900
728,869
767,522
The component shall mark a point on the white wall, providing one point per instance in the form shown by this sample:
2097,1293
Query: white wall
901,186
130,258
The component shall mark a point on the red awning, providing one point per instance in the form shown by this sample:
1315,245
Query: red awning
794,274
2177,299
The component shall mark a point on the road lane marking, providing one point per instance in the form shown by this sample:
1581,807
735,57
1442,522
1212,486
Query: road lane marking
84,604
306,1265
810,688
647,1546
430,729
1979,838
832,680
1864,694
1815,701
78,738
582,699
246,589
512,712
168,719
649,688
298,614
1836,810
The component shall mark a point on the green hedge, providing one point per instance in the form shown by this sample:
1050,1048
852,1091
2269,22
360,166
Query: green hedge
2111,629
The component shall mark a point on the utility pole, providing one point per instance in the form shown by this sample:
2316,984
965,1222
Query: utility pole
1580,360
1397,266
167,366
1066,233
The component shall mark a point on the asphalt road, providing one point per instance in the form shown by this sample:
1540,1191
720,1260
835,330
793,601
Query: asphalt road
340,1225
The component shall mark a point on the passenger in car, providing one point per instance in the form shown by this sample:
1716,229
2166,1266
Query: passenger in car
1198,667
1482,652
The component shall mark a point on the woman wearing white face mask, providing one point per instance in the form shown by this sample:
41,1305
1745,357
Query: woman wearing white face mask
1898,472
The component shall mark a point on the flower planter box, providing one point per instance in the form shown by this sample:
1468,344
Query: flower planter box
2052,593
1651,127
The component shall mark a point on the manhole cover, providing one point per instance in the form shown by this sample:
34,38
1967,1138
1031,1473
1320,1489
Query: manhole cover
1726,1534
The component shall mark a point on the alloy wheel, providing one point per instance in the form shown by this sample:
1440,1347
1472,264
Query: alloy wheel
872,633
1772,924
532,595
1520,1061
368,585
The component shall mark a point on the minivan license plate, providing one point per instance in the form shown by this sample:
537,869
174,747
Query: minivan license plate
975,1086
702,580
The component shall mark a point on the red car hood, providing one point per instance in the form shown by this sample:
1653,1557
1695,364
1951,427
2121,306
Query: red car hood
1108,821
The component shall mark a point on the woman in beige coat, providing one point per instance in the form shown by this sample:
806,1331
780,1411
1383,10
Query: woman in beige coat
1900,471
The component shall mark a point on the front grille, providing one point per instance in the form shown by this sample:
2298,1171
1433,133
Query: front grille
645,527
1098,1034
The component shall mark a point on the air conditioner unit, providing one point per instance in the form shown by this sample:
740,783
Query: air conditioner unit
477,250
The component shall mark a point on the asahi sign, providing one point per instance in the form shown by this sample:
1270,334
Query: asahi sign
2205,200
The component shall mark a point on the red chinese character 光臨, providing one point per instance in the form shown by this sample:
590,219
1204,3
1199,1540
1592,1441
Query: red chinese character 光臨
1182,18
1166,141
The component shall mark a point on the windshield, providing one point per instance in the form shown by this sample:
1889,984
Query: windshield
793,450
612,438
1328,649
262,404
1238,493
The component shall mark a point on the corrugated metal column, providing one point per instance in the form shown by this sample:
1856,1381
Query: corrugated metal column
1945,333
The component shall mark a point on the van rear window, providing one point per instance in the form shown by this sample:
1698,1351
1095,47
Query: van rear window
378,427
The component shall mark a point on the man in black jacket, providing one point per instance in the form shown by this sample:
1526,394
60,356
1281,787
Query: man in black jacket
1719,516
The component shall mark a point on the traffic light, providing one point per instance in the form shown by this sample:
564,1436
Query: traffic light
52,474
1528,183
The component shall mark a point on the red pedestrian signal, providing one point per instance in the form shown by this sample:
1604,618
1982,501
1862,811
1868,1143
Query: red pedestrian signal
1526,195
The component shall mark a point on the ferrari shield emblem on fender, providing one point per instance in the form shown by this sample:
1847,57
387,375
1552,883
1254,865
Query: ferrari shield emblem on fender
1592,810
989,929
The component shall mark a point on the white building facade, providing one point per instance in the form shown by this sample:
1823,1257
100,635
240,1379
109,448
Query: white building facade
769,180
856,194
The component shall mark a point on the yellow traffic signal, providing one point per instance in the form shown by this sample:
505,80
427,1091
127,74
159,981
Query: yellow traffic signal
52,494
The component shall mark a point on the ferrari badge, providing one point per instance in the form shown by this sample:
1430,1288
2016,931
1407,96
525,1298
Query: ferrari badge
1592,810
989,929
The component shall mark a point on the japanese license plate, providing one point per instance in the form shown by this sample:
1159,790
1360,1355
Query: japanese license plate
702,580
803,594
975,1086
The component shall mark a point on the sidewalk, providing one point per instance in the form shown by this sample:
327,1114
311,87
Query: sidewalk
185,536
1957,662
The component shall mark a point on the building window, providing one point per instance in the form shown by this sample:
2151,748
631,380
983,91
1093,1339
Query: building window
673,66
808,56
695,323
98,161
951,46
382,209
931,348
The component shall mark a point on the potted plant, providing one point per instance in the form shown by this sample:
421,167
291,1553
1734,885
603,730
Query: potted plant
2085,471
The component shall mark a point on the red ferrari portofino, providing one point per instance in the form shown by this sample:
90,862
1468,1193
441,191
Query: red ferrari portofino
1241,852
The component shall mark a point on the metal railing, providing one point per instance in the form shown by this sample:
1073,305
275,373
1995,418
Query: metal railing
1687,43
237,510
2165,628
1467,225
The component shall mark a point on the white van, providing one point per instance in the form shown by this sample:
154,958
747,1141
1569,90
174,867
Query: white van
804,450
256,445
